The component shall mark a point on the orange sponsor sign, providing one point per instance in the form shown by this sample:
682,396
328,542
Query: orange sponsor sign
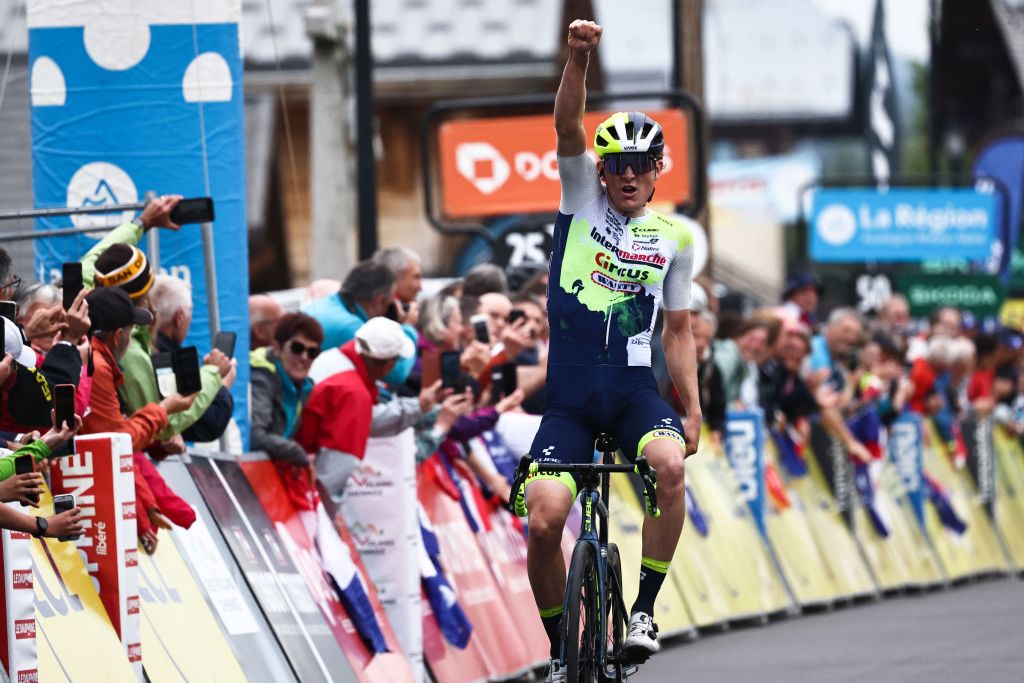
505,165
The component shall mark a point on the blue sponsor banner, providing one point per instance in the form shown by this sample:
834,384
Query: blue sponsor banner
744,446
905,452
1003,160
145,98
899,224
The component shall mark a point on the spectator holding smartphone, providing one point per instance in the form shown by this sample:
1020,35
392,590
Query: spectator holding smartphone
281,386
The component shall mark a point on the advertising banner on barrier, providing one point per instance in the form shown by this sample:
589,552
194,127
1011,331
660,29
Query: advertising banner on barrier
290,608
981,457
466,568
744,447
360,626
180,637
905,451
902,224
18,640
144,97
379,509
225,586
836,468
80,641
100,475
502,165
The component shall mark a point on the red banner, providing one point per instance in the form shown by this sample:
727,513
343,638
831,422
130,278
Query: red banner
100,475
501,647
387,667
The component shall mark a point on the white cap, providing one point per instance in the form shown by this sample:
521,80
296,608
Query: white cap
383,339
14,344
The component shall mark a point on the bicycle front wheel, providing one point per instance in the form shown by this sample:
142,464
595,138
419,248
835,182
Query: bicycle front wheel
584,636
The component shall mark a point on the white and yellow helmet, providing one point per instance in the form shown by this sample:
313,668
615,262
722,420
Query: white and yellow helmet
630,131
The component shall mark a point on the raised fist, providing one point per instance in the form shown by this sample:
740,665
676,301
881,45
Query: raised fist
584,35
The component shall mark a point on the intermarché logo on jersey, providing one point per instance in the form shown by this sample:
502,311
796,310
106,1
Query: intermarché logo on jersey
655,260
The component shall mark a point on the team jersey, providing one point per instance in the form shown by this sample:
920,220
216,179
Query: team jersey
609,274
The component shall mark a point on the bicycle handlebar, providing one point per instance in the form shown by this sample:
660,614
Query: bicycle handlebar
527,468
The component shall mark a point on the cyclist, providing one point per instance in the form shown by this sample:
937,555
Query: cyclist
613,263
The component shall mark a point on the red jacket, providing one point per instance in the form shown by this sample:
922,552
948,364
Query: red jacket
104,414
340,408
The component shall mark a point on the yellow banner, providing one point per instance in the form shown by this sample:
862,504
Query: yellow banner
74,636
627,519
180,636
1010,494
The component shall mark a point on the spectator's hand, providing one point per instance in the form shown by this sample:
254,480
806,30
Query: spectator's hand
174,445
65,524
826,397
517,338
228,380
430,396
858,452
454,407
474,358
584,35
148,541
816,378
984,405
933,403
24,440
176,403
510,402
157,213
21,487
217,359
158,520
46,322
58,434
411,316
84,349
6,366
77,319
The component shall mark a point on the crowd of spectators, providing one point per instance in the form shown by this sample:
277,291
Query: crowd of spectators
372,355
853,374
101,348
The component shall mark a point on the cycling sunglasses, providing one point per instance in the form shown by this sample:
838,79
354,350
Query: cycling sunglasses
642,162
298,348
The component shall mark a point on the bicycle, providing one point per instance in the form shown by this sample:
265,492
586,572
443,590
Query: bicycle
593,603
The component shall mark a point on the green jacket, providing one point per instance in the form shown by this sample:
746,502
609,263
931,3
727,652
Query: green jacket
37,449
140,386
732,367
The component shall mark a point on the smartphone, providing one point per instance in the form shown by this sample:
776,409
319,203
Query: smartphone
163,368
64,404
63,503
451,369
24,464
516,315
392,312
197,210
225,343
9,310
480,331
186,370
503,380
71,282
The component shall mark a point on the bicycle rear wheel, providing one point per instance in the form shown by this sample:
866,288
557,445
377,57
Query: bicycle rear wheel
617,617
583,637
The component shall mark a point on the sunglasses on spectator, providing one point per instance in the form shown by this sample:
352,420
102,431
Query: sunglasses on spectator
13,283
298,348
640,161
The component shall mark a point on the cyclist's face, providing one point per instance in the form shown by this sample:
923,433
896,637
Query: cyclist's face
629,191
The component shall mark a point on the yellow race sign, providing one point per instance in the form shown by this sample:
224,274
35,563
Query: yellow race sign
180,637
75,638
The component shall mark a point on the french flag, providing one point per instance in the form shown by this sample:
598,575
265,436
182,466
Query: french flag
448,613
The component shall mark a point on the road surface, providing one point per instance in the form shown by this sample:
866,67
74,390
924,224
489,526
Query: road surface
971,633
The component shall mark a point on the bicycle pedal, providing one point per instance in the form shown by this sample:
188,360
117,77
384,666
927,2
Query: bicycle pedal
629,670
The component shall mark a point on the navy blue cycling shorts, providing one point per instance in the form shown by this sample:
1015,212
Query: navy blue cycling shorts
584,401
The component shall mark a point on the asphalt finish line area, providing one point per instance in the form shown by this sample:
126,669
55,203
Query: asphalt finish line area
971,632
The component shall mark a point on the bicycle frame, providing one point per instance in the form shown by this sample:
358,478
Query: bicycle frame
596,535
